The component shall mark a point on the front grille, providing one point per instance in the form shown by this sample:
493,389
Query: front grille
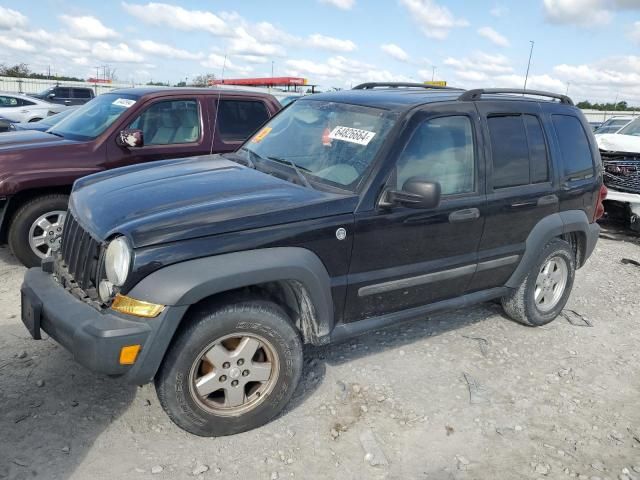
78,259
622,172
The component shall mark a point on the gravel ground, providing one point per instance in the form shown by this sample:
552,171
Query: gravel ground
462,395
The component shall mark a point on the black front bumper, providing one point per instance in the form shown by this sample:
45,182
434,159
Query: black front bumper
94,337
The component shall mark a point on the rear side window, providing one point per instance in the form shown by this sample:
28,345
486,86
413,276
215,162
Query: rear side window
81,93
574,147
62,92
238,119
519,150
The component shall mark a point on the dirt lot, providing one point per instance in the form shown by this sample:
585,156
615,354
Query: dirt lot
462,395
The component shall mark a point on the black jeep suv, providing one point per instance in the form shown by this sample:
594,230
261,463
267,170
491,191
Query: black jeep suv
348,211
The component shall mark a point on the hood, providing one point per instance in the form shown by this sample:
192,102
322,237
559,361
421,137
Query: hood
613,142
196,197
19,140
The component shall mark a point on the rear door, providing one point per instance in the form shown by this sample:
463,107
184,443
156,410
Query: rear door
235,119
520,185
62,95
172,128
80,96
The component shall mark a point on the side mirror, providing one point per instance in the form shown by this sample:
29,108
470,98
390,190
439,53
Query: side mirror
52,95
130,138
416,193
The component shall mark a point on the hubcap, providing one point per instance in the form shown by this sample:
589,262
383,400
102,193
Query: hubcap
550,284
45,233
234,373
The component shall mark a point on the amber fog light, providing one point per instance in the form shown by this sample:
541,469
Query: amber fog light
139,308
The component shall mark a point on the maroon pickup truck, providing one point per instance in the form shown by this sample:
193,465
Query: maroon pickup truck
124,127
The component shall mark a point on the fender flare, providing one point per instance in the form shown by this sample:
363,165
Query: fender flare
551,226
189,282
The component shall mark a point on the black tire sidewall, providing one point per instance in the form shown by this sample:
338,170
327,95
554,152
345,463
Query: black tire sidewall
261,318
555,248
21,222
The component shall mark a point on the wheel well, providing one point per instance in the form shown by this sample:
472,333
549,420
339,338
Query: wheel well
290,295
20,198
578,242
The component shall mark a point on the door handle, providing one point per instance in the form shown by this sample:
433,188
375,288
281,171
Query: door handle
465,215
548,200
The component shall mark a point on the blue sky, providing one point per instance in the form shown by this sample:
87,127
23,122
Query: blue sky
589,46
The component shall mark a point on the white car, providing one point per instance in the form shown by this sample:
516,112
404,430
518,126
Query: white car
18,107
621,161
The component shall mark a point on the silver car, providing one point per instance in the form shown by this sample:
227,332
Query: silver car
18,107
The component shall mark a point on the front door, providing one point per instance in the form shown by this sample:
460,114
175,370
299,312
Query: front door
405,257
172,128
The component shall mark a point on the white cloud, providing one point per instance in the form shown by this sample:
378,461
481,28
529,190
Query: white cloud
252,58
56,38
167,51
16,44
88,27
267,32
493,36
480,62
10,19
435,20
331,43
395,51
120,53
579,12
341,4
81,61
163,14
219,62
246,44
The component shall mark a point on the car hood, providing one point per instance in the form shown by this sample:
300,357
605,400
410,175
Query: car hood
11,141
613,142
196,197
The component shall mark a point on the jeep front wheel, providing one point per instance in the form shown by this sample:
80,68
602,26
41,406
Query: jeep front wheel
231,369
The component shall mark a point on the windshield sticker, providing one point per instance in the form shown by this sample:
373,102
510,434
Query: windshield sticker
353,135
261,135
123,102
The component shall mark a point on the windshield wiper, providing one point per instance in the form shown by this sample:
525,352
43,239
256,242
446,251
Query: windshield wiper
296,168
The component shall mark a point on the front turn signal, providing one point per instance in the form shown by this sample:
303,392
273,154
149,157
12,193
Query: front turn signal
139,308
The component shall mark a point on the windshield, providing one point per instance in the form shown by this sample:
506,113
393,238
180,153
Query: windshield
94,117
53,119
332,143
632,129
45,92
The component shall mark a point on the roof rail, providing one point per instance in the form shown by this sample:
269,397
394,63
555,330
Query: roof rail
372,85
472,95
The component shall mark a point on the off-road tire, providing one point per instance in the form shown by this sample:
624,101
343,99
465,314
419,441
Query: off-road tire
520,304
208,324
23,218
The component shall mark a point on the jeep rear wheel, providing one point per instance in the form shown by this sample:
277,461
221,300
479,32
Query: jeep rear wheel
544,292
232,369
36,228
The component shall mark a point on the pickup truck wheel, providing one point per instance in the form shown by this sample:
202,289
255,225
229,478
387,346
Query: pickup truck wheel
232,369
36,228
545,290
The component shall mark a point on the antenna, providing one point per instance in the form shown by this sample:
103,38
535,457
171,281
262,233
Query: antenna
215,118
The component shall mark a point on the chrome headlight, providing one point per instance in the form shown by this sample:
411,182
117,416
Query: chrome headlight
117,261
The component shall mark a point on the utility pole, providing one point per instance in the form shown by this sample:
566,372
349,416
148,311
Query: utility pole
433,73
526,77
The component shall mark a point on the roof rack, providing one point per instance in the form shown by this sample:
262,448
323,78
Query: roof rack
471,95
372,85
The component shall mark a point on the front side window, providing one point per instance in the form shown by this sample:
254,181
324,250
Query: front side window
237,119
330,142
169,122
440,150
94,117
518,150
62,92
8,102
574,147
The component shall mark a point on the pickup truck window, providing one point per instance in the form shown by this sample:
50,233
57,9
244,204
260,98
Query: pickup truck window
329,142
169,122
94,117
237,119
440,150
